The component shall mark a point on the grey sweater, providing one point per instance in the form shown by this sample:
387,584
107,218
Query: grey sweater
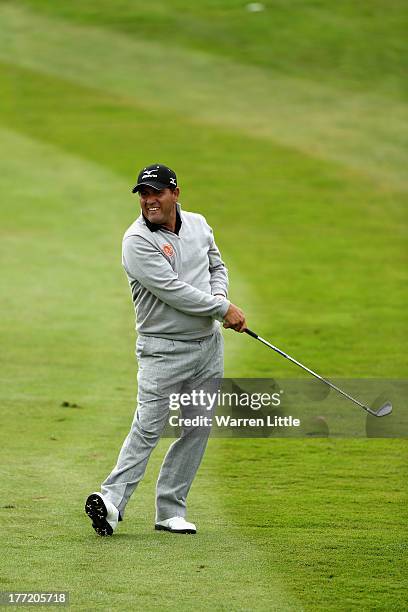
174,278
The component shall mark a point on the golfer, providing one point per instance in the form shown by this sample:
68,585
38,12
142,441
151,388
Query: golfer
179,289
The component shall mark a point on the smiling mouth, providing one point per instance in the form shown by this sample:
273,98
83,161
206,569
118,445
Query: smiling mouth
153,209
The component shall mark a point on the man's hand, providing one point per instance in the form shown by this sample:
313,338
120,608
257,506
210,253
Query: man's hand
235,319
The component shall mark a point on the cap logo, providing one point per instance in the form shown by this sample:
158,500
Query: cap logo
168,250
173,181
149,174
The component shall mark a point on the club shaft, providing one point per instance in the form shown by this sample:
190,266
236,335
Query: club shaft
324,380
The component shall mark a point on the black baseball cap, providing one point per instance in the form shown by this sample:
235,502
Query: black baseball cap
156,176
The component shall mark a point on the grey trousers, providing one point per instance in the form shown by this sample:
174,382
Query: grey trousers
166,367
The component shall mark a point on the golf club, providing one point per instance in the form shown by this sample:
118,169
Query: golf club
382,411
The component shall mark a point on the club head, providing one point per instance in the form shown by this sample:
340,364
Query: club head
384,410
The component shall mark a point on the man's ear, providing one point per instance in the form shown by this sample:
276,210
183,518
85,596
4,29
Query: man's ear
176,192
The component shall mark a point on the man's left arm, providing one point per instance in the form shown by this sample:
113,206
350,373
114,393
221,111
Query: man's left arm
234,318
218,270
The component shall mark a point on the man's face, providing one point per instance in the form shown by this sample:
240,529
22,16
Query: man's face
159,206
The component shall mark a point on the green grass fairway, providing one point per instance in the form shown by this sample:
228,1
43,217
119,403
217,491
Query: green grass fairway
288,131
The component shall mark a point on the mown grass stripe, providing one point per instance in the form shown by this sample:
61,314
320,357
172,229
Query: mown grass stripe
364,132
265,220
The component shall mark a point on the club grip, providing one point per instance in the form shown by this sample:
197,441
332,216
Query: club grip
251,333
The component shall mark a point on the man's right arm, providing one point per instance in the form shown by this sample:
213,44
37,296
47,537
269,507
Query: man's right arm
145,263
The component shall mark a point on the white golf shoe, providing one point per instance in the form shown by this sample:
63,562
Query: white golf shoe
176,524
103,514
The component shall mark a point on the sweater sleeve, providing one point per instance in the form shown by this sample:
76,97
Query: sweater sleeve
145,263
218,270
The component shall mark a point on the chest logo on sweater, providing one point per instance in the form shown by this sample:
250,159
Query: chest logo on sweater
168,250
